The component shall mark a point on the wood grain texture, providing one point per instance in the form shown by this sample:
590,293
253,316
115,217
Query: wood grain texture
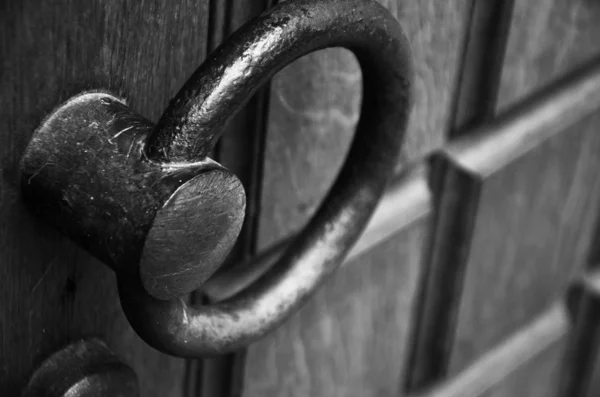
529,363
352,337
486,168
529,231
547,39
537,377
314,106
532,234
51,292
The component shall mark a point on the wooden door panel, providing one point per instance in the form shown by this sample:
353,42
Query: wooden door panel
529,363
519,225
436,32
538,350
546,40
314,106
532,233
537,377
52,293
353,336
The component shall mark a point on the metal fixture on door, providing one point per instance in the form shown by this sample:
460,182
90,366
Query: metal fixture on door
148,202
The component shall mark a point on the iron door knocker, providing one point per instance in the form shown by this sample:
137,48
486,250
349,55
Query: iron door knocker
147,201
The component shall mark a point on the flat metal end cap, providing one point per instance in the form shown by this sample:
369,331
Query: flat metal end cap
192,234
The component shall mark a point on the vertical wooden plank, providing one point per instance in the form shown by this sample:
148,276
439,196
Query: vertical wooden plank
50,291
473,105
482,64
547,39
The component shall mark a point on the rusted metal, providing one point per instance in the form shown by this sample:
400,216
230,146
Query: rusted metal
86,368
154,222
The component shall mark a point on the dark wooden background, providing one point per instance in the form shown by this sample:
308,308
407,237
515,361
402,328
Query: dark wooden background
532,220
51,292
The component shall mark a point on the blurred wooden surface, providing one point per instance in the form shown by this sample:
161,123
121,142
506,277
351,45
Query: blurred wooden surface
52,293
482,63
528,363
546,40
532,231
583,359
506,192
536,377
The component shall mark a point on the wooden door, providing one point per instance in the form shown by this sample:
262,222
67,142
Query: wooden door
499,183
51,291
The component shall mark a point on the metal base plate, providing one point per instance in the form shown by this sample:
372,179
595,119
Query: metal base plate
83,369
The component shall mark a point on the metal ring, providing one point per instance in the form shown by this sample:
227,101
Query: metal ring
219,88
